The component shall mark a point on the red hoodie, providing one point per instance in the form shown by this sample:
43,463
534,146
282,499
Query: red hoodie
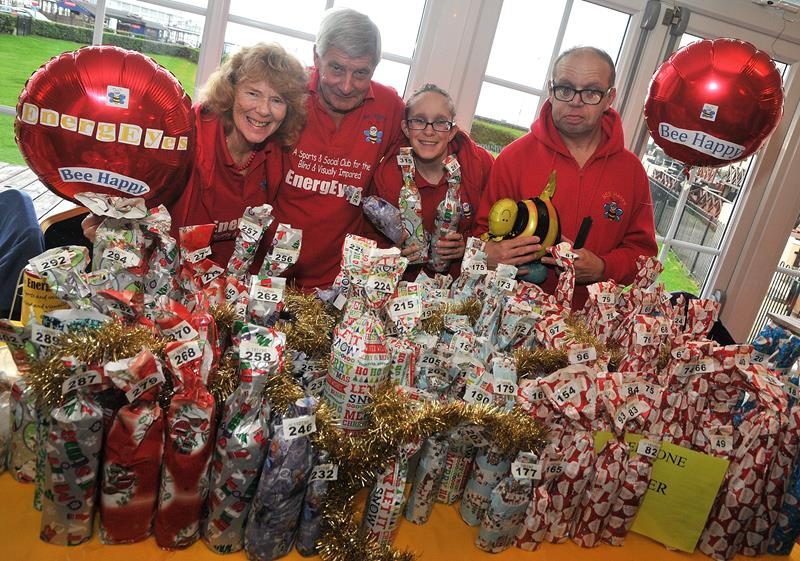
475,165
612,188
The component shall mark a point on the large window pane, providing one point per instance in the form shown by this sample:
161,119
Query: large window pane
523,42
397,21
596,26
524,73
507,106
237,35
302,15
393,74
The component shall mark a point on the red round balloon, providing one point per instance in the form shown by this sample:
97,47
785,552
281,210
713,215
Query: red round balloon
714,102
106,120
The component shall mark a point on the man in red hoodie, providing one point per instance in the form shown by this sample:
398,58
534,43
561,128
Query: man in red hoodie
579,136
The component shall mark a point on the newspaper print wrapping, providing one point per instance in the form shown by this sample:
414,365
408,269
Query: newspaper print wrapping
278,503
71,471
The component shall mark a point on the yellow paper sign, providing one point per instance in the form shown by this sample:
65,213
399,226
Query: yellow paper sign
682,489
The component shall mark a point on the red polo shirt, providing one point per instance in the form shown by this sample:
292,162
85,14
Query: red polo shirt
216,192
317,171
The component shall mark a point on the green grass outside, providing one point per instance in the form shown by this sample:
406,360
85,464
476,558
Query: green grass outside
22,56
676,277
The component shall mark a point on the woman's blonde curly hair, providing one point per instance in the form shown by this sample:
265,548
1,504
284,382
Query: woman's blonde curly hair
263,61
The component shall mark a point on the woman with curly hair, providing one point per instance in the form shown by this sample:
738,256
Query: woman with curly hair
250,110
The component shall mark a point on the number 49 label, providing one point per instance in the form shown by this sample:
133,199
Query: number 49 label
297,427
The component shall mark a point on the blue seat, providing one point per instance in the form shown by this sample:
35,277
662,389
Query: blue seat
20,239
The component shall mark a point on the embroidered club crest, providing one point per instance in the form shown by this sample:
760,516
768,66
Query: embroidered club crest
612,211
373,135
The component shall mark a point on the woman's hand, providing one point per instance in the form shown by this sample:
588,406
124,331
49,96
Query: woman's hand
89,226
451,246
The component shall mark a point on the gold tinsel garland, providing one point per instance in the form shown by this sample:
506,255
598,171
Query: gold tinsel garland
471,307
538,361
310,329
394,421
112,341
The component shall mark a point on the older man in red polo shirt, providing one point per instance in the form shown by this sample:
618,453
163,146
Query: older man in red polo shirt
353,122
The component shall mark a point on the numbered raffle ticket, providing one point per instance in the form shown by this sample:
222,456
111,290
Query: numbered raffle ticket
241,444
75,436
275,511
132,453
187,452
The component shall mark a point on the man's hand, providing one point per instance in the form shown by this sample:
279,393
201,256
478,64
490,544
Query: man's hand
451,247
89,226
589,268
517,251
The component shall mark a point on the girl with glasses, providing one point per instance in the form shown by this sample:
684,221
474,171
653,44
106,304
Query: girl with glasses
431,131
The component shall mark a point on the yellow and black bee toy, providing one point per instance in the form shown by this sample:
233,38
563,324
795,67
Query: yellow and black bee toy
509,219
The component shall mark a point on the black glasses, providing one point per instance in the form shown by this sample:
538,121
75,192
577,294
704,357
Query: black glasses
441,125
589,96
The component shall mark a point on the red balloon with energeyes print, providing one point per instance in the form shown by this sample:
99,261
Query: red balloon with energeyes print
106,120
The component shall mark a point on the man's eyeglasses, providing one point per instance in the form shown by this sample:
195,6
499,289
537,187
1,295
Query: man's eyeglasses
588,96
441,125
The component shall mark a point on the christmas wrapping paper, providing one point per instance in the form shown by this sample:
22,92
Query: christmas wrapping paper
240,447
276,508
491,466
132,454
310,527
75,436
187,450
427,479
504,515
